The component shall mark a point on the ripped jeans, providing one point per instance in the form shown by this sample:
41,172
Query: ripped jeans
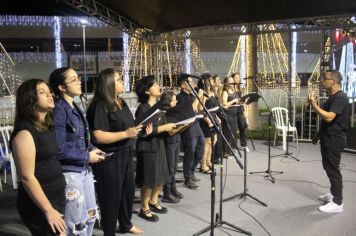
81,210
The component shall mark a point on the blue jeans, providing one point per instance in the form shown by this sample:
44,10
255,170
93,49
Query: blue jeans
81,210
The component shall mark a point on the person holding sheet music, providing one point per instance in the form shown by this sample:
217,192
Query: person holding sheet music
112,127
192,138
152,170
241,120
206,124
229,100
172,142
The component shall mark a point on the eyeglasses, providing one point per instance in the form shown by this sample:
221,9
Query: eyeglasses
74,81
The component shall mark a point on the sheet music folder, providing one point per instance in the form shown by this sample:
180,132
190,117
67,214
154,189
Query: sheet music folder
154,113
189,120
251,97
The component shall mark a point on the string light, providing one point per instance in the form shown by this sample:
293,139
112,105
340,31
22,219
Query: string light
187,55
57,38
47,21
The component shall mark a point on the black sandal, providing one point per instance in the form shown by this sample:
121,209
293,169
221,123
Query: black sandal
144,215
158,208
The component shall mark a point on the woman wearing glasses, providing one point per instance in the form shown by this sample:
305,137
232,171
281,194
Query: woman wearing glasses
229,100
75,152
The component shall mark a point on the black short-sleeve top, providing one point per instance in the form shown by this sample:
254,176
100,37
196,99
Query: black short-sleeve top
100,118
333,134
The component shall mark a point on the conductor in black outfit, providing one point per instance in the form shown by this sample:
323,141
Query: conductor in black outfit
192,138
335,120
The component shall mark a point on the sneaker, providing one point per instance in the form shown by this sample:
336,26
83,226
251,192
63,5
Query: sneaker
177,194
191,185
331,207
169,199
326,198
246,148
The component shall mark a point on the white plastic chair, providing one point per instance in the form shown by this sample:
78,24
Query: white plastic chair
280,115
5,132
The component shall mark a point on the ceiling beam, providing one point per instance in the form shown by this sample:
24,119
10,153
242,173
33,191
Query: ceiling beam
345,22
96,9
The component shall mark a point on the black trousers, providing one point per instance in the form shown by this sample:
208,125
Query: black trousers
193,152
172,155
331,158
115,188
242,125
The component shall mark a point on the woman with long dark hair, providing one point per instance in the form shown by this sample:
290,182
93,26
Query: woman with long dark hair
241,120
152,171
112,127
229,100
75,152
41,195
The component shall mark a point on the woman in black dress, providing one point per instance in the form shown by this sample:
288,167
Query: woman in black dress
229,100
112,127
41,194
152,170
241,120
210,101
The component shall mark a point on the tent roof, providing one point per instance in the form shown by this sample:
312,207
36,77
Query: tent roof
170,15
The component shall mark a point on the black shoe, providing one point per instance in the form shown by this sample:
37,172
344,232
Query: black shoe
144,215
158,208
191,185
177,194
195,179
169,199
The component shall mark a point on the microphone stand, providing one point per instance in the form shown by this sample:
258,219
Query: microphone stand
269,172
244,194
84,103
219,222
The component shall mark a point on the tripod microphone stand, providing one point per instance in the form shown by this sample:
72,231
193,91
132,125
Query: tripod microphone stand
252,97
269,172
219,221
245,194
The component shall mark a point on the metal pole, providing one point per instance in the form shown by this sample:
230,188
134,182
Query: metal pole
84,60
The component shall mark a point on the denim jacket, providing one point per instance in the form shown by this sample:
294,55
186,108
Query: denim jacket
72,136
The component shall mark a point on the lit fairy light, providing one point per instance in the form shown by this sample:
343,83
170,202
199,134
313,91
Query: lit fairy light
187,55
126,61
45,21
243,59
57,37
294,57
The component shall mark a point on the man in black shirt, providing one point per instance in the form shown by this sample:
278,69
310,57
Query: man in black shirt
334,123
192,138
